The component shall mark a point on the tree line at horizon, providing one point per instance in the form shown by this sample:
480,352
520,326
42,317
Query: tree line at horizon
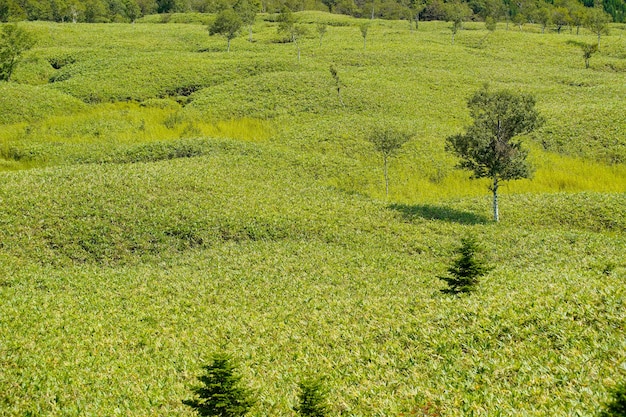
561,13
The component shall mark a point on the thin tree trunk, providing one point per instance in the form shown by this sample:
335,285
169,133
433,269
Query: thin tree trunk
386,177
496,214
228,47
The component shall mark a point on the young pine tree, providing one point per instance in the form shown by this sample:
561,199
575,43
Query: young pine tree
221,394
312,399
467,268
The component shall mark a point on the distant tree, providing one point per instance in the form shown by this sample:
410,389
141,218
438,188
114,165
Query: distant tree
321,30
489,148
560,18
457,13
617,406
597,21
330,4
132,10
338,83
227,23
588,51
543,16
166,6
247,13
286,22
4,10
298,32
466,269
415,9
388,141
364,27
14,41
577,14
490,23
221,393
519,19
312,401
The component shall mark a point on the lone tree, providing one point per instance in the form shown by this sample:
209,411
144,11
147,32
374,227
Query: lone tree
321,30
338,82
457,13
597,21
365,27
489,147
467,268
247,13
227,23
14,41
221,394
312,401
388,141
588,51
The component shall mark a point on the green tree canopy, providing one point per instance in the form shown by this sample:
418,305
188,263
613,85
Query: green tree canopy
14,41
227,23
489,148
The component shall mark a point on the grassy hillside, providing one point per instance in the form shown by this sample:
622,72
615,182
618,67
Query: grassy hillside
164,200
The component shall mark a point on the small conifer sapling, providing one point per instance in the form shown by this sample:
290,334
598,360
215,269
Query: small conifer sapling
312,401
221,393
467,268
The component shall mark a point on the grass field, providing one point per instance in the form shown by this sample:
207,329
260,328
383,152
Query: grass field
164,200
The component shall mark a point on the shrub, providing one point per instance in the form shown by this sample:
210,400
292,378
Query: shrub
221,394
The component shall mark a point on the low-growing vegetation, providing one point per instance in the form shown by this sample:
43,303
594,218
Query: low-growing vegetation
164,199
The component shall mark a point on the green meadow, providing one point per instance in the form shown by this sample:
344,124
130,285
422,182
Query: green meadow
163,199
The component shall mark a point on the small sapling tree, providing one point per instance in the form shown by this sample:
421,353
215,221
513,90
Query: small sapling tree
466,269
588,51
247,13
364,27
14,41
321,30
338,83
617,406
221,393
388,141
597,20
457,13
312,399
489,148
227,23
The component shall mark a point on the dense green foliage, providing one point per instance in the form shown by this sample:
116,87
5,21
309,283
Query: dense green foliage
163,200
559,12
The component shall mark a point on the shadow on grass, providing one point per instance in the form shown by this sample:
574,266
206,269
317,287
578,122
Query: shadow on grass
432,212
